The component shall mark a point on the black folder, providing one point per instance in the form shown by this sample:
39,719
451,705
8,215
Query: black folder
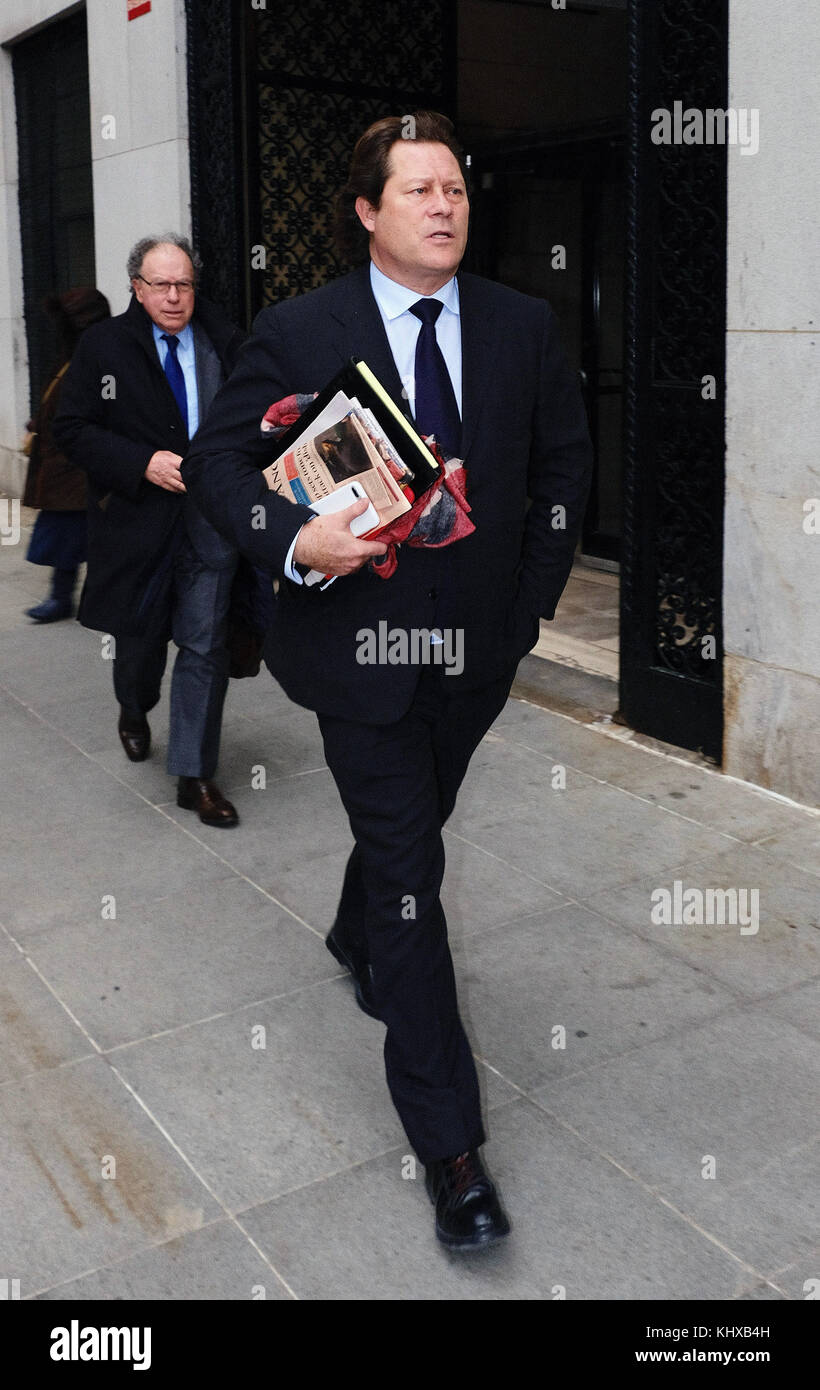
357,379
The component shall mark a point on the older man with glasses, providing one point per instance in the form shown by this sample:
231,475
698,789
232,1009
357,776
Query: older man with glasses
136,392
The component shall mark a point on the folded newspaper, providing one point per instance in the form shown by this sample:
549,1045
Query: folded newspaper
336,438
354,432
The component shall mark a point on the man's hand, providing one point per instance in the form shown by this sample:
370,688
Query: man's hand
163,469
328,544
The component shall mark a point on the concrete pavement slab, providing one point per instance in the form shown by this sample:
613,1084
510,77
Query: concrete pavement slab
290,821
47,780
784,951
88,721
581,1230
59,1216
209,949
258,1121
216,1262
9,952
276,745
310,887
799,845
689,789
800,1280
36,1033
134,856
800,1006
40,661
505,780
481,892
560,841
740,1090
760,1292
569,978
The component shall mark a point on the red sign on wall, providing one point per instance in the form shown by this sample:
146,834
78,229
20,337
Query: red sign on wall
138,7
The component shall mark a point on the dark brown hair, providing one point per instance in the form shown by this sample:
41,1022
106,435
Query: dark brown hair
370,169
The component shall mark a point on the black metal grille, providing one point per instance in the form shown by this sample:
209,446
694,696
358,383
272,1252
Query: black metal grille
277,98
671,668
216,155
322,73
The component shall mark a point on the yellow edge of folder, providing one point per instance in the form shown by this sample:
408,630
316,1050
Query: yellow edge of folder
375,385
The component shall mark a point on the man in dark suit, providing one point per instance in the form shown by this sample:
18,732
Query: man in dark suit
492,383
137,389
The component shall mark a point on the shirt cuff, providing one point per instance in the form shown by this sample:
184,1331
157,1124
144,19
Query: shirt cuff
291,571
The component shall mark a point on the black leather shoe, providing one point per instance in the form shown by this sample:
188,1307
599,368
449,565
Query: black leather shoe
354,960
468,1212
135,736
198,794
51,610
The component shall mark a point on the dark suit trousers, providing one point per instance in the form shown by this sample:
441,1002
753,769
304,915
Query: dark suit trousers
398,783
193,609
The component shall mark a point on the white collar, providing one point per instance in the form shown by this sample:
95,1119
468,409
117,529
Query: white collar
394,299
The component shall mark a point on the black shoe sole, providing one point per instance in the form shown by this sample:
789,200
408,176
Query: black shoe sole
479,1242
339,955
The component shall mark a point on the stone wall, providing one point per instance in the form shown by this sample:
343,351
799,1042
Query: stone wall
139,143
772,563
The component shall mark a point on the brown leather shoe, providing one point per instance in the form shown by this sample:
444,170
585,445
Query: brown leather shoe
198,794
135,736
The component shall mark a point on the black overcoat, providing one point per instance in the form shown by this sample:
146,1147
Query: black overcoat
116,410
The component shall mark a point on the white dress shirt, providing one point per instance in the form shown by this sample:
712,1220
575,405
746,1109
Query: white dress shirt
402,328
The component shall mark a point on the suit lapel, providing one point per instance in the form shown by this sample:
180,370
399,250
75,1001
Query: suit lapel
208,370
139,323
361,333
479,349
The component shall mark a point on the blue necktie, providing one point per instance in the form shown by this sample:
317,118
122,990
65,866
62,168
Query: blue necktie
436,405
175,376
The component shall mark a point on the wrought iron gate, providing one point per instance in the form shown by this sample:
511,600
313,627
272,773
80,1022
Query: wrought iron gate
671,572
277,97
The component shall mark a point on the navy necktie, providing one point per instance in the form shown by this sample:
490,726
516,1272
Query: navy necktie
436,405
175,376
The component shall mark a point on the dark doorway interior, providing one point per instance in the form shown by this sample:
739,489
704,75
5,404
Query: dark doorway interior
542,109
549,221
56,200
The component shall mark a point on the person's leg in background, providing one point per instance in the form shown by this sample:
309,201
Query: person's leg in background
59,540
139,665
199,683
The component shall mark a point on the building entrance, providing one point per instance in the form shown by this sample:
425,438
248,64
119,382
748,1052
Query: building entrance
56,198
555,106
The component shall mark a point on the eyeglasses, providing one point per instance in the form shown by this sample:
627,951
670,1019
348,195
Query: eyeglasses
163,286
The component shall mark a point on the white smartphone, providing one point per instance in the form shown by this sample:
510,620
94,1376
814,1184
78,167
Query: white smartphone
336,502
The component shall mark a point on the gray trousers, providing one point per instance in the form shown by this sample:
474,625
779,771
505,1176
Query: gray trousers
193,611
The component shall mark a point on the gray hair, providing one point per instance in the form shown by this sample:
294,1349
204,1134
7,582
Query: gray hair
148,243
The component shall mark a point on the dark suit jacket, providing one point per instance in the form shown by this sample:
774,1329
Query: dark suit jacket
116,409
525,440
